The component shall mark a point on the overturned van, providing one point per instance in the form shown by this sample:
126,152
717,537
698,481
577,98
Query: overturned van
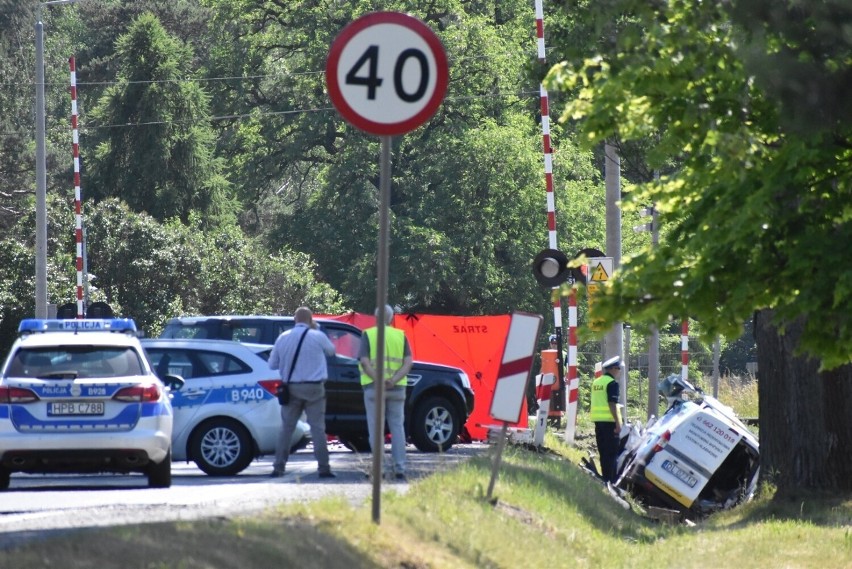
697,459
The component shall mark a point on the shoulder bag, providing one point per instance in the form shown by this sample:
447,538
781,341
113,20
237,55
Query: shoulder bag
283,392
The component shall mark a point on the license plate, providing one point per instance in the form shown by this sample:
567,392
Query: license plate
65,408
680,473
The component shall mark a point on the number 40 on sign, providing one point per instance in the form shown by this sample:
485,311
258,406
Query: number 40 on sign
387,73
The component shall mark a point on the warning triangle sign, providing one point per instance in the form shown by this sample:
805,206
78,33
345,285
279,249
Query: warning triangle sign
599,274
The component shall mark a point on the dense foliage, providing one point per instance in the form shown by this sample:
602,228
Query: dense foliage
157,153
757,199
211,116
748,99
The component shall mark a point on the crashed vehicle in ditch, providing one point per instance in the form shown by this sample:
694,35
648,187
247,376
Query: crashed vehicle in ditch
697,459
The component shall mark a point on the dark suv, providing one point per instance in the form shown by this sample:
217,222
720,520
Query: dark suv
439,400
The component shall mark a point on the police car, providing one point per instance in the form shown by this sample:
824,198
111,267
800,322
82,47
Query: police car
226,413
79,396
439,398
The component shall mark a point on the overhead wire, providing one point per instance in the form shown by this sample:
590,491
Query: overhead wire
238,116
57,87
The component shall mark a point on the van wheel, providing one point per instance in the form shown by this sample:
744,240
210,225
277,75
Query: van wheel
435,425
221,447
5,479
160,475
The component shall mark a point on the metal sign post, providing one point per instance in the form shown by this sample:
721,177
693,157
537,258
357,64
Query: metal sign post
515,367
386,74
378,442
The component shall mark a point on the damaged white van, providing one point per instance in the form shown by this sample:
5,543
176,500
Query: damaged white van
697,459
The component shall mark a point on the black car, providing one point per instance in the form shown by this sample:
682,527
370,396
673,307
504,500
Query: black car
439,398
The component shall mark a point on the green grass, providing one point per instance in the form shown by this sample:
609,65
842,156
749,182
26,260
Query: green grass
544,512
740,394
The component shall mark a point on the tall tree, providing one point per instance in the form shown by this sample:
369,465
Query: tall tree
755,211
158,150
17,104
468,202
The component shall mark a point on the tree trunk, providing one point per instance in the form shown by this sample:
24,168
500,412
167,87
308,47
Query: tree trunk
805,415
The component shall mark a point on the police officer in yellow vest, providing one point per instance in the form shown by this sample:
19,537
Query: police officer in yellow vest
398,361
605,414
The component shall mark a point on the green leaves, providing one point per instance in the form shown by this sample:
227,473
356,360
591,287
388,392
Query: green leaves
153,271
752,215
156,153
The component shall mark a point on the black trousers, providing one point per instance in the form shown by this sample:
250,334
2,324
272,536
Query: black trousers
607,449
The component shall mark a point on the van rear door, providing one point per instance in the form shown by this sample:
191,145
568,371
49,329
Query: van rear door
697,448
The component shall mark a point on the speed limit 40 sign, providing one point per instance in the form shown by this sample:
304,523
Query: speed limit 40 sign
386,73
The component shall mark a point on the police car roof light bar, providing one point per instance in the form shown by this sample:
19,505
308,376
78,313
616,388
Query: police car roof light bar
79,325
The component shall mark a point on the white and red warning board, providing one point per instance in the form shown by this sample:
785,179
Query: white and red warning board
515,367
387,73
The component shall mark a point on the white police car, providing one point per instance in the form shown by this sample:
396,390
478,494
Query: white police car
79,396
226,413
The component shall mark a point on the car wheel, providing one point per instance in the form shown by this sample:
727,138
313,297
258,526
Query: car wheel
221,447
435,425
160,475
5,479
356,443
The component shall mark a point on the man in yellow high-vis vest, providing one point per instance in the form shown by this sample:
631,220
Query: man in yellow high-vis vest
605,394
398,362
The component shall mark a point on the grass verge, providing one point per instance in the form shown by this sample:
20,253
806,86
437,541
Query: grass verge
544,511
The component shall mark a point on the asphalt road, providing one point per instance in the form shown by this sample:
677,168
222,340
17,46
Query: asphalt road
35,504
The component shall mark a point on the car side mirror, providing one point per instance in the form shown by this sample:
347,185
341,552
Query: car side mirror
173,382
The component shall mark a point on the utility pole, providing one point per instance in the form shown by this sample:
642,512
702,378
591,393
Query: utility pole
654,348
41,180
41,168
614,339
653,373
717,348
626,371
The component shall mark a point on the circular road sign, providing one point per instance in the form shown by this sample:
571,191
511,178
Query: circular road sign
386,73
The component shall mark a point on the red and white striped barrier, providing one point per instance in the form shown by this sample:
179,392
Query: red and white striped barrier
539,29
548,168
684,350
543,391
545,132
548,179
510,390
573,381
516,364
78,208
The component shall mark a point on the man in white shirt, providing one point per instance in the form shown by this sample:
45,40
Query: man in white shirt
299,356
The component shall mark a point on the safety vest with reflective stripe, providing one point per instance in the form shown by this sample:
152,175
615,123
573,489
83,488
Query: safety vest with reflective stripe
394,353
600,402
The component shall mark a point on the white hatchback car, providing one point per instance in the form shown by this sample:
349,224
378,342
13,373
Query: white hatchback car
226,413
78,396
